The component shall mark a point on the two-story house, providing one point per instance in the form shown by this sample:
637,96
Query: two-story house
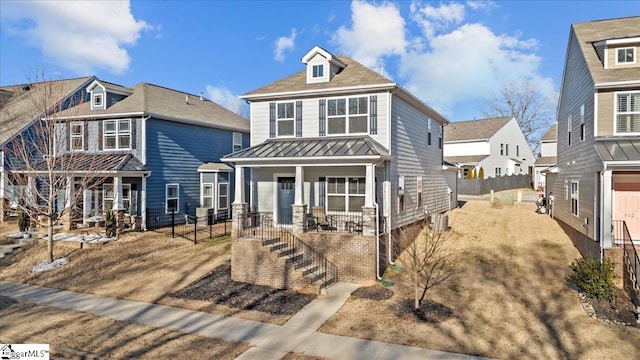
151,147
340,156
598,117
547,159
497,145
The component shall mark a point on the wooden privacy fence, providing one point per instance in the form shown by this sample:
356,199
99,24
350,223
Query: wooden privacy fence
484,186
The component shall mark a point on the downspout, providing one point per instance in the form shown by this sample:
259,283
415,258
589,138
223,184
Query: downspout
602,230
375,203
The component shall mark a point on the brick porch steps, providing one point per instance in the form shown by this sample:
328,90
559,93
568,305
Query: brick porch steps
299,261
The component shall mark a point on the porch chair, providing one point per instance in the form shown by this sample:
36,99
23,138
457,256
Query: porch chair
323,221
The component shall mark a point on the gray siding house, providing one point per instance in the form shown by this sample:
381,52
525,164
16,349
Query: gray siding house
156,148
338,150
598,147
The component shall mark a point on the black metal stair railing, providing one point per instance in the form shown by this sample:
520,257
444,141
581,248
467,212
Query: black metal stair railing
631,258
312,263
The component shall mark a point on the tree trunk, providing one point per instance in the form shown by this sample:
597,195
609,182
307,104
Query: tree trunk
416,289
50,239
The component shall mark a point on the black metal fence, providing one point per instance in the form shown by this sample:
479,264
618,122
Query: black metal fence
261,226
190,227
631,267
339,222
484,186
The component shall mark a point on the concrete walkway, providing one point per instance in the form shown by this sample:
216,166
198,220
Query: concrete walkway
270,341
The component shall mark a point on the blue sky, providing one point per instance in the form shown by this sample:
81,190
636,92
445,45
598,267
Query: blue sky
452,55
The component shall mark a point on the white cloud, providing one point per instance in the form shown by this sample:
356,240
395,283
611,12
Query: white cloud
470,63
78,35
283,44
376,32
224,97
432,19
481,4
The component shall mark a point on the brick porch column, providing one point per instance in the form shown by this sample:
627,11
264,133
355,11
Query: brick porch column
299,212
119,217
239,212
369,221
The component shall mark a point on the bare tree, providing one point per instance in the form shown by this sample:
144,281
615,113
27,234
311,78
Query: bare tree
428,257
524,101
48,176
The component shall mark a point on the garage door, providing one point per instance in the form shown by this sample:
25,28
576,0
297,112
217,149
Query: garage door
627,208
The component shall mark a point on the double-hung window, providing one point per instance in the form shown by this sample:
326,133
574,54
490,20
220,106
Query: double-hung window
498,171
626,56
317,71
400,194
172,197
419,188
117,134
501,149
628,113
345,194
569,128
429,131
574,198
285,118
582,128
348,115
237,141
223,195
207,195
76,135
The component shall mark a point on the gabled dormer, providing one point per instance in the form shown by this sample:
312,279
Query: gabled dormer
104,94
321,65
619,53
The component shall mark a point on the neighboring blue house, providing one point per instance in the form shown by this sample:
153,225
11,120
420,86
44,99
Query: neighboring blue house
157,148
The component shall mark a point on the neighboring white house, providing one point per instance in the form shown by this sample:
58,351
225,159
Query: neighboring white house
496,145
548,157
337,149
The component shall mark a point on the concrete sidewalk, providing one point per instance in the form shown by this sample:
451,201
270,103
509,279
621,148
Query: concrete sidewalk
270,341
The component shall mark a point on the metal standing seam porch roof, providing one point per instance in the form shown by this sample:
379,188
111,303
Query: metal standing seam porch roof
619,150
342,147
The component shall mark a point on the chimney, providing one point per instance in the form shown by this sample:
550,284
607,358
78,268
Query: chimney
186,99
201,96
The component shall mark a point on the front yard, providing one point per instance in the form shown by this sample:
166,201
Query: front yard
510,299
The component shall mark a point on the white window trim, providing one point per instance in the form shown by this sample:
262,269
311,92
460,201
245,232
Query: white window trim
203,196
347,115
94,98
313,68
237,141
221,196
292,119
419,199
615,113
576,198
166,197
72,136
117,134
346,193
127,198
633,49
401,187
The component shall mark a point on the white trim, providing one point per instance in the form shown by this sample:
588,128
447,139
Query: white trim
577,198
347,116
615,113
595,114
166,198
143,139
330,91
202,195
218,207
234,143
628,40
346,193
72,136
116,134
288,161
292,119
617,84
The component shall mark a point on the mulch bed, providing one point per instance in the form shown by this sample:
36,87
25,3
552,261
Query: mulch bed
373,292
429,311
620,311
217,287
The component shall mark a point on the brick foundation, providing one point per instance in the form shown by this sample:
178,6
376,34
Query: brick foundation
617,256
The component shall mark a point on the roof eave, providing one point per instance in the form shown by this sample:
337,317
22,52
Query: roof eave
332,91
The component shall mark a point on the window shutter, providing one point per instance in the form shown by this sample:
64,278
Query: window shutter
133,133
85,126
322,119
68,136
272,120
100,134
299,118
373,114
322,185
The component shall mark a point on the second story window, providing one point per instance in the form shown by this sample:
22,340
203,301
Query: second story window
237,141
285,118
501,149
117,134
628,113
626,56
76,136
569,127
97,101
348,120
582,129
318,71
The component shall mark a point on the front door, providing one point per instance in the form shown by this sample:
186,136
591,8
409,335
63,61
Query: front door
627,208
286,186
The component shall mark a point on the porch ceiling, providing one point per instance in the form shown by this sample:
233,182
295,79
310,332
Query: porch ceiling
619,150
343,147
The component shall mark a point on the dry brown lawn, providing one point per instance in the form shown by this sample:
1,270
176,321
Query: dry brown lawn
509,300
27,323
146,267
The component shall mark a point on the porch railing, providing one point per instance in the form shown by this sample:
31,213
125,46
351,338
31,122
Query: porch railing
631,259
334,222
190,227
262,226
